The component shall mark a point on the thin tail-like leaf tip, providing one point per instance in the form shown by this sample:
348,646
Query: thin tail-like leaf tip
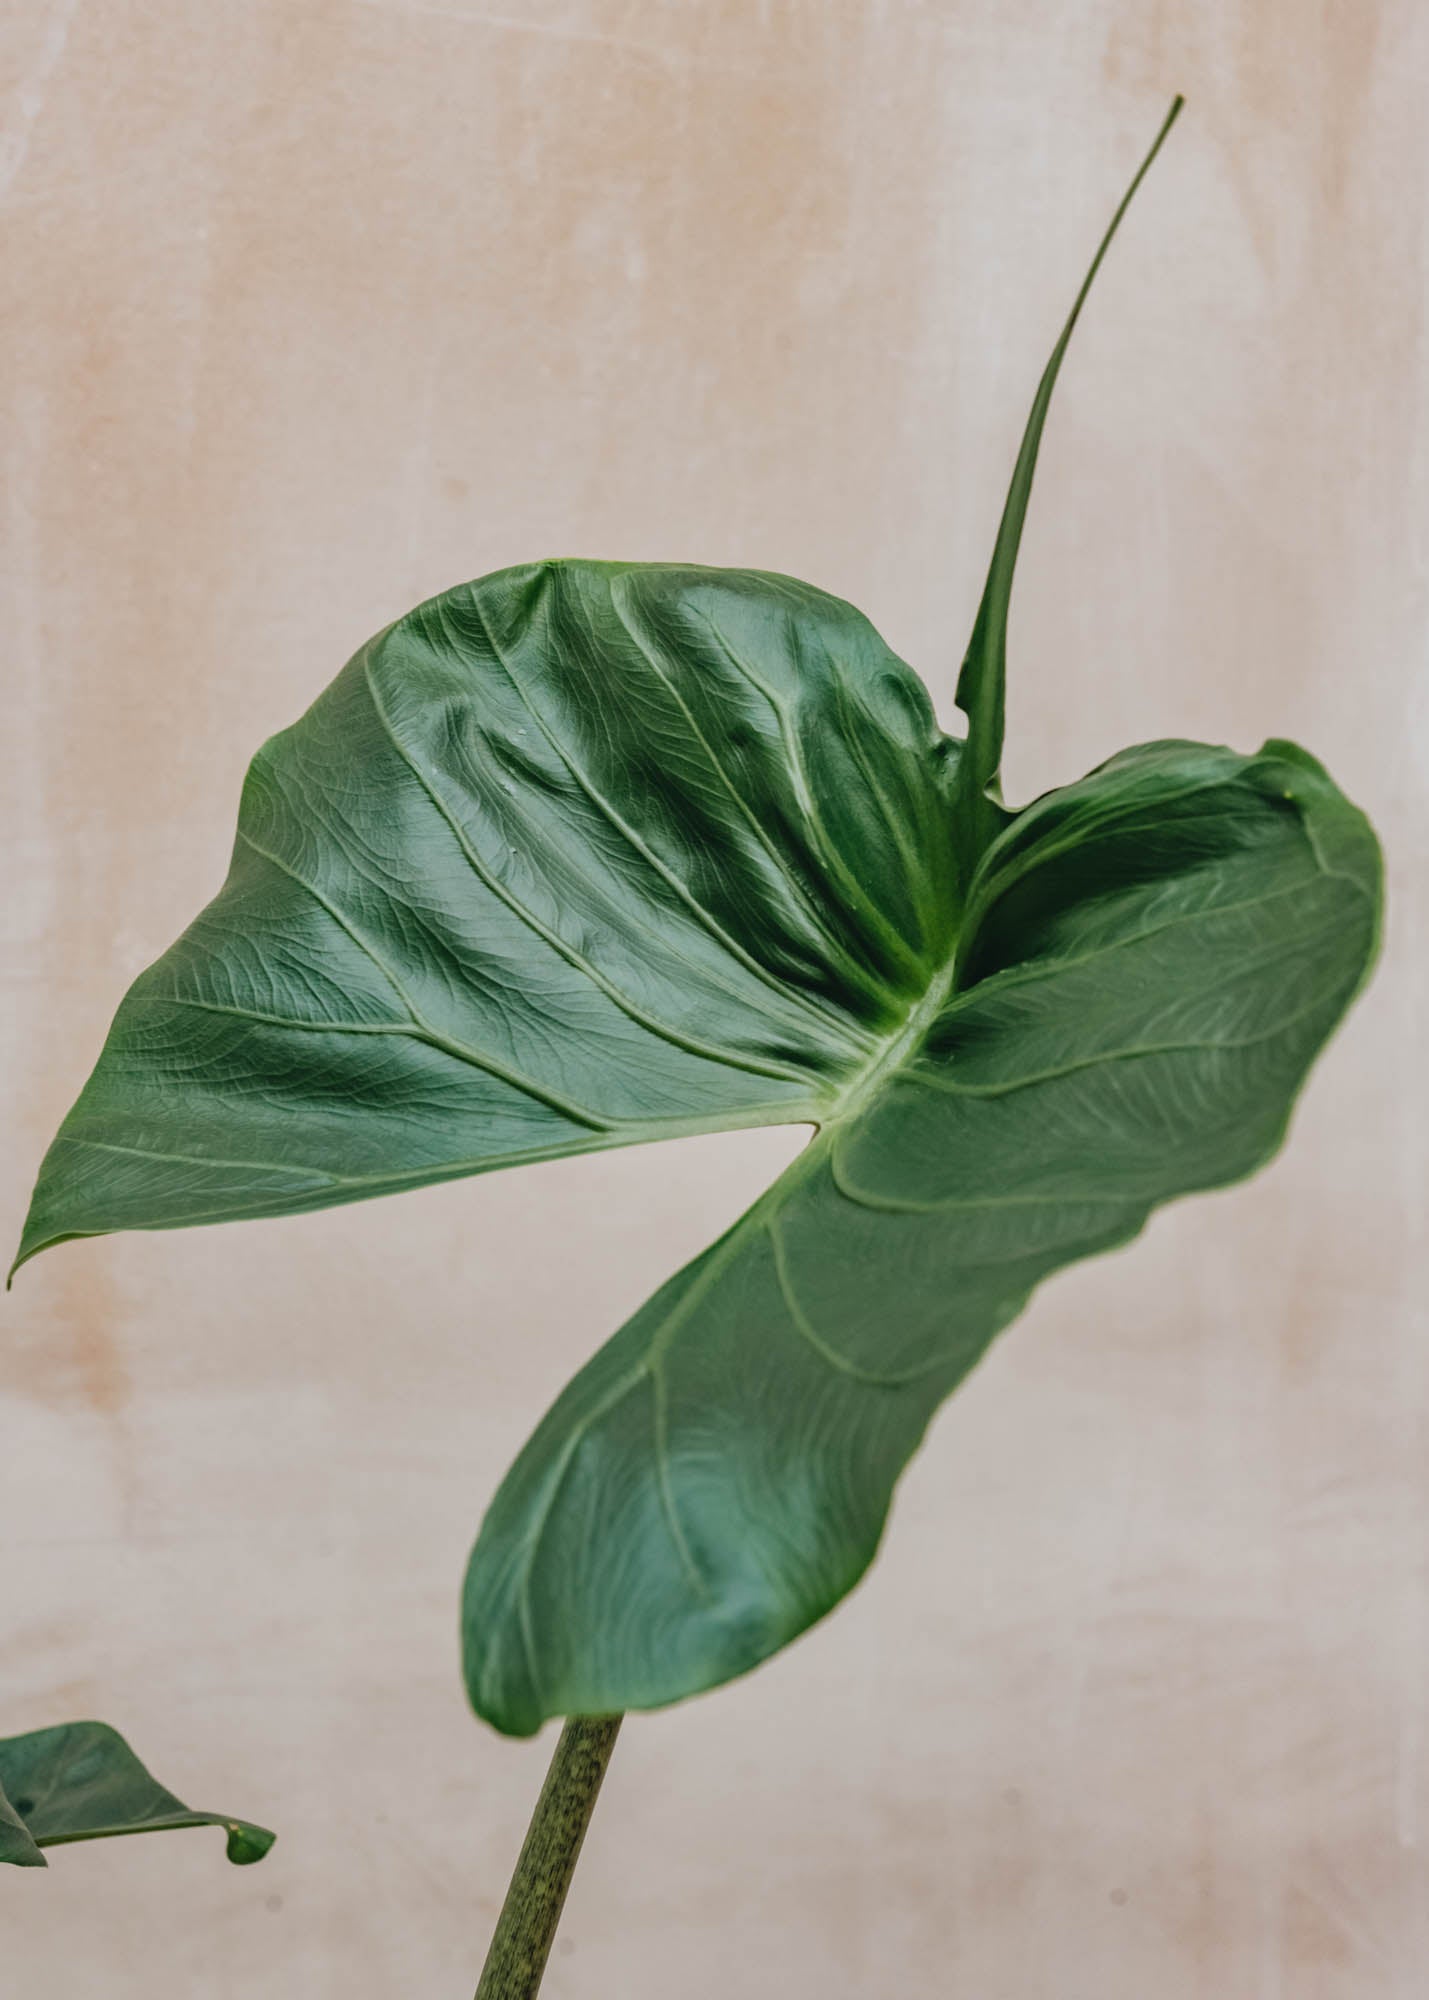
981,693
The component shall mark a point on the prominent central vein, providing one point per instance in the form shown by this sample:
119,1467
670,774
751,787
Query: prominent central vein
895,1050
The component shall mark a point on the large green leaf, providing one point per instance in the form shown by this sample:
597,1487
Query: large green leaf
584,854
81,1781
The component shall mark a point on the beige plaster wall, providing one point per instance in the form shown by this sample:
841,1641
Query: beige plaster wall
314,307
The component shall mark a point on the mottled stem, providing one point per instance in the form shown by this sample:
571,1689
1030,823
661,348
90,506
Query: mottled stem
527,1924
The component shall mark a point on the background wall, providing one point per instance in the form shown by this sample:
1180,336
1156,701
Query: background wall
316,308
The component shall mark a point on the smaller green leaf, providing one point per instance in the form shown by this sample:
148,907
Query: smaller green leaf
17,1845
81,1781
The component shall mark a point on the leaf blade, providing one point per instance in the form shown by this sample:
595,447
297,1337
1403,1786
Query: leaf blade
81,1781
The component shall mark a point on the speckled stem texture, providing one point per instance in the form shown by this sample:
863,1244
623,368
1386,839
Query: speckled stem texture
526,1927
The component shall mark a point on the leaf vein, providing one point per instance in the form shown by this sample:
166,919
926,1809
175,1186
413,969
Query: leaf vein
566,1107
704,917
574,957
804,1327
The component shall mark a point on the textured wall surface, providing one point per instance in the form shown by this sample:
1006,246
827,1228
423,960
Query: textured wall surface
314,307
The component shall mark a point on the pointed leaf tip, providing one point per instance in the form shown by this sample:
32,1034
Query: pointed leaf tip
979,815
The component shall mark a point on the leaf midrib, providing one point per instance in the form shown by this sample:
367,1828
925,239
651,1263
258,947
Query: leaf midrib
832,942
893,1051
825,1016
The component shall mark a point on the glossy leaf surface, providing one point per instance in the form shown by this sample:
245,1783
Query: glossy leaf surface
586,854
577,855
81,1781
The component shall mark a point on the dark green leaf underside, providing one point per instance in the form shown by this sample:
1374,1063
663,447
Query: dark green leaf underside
81,1781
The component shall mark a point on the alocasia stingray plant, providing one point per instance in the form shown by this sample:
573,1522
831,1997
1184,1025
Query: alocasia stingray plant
587,854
